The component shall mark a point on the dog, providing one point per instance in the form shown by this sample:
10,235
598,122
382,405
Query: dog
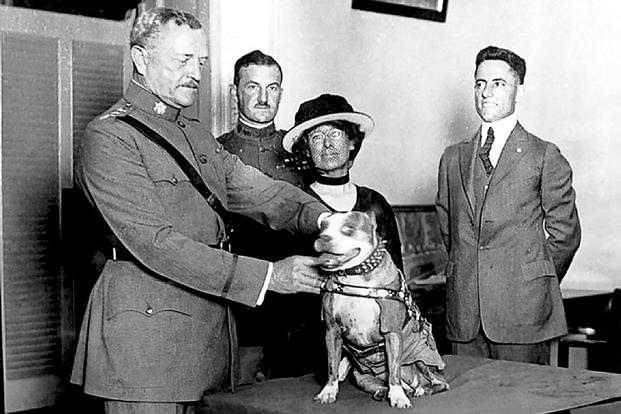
370,315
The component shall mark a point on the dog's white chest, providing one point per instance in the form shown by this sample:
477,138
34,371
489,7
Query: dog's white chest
358,319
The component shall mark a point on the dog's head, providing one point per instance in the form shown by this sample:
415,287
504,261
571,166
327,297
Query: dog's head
346,239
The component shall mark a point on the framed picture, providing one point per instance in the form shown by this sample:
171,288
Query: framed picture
422,9
424,254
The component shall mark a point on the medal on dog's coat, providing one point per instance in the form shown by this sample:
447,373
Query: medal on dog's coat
371,316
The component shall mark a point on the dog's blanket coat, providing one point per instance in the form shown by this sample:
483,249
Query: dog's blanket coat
417,343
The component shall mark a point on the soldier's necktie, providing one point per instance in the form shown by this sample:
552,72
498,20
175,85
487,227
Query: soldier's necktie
484,151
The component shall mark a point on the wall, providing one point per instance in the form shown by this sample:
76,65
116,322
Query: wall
415,78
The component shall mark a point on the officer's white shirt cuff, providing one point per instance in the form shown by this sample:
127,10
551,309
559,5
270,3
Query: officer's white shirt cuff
268,278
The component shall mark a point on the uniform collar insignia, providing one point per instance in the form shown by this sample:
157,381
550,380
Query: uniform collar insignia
141,98
159,108
250,132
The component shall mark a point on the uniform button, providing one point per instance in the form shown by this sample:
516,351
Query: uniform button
203,158
218,150
261,149
486,187
481,247
181,124
241,150
128,105
149,310
174,180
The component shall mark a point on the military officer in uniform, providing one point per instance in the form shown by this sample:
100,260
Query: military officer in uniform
257,87
257,83
157,331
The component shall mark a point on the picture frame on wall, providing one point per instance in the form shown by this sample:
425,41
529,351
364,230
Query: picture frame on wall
422,248
421,9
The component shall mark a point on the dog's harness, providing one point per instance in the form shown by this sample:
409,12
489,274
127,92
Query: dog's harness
401,294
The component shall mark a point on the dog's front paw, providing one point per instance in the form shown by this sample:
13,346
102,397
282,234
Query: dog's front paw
327,394
397,397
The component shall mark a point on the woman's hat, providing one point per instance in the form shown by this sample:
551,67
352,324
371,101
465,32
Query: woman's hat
322,109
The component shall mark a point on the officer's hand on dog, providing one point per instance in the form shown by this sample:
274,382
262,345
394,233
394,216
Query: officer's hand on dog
296,274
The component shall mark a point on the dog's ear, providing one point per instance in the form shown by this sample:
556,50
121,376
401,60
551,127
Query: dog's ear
373,224
371,215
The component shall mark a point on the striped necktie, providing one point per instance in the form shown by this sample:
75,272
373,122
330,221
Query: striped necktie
484,151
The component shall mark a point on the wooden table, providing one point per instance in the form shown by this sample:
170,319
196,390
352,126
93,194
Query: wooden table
477,386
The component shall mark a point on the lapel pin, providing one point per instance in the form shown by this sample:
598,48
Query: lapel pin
519,150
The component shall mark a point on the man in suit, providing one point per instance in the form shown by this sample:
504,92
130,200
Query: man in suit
508,218
157,331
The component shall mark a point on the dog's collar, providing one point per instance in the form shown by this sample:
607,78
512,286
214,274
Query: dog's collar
367,266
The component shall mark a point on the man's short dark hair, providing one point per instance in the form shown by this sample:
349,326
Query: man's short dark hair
516,63
148,24
256,57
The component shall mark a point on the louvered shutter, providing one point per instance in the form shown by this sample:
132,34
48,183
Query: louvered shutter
53,81
30,213
97,82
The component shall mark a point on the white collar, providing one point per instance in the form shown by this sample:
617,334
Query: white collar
255,125
502,129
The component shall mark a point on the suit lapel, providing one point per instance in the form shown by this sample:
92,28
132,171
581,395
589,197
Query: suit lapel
467,156
515,148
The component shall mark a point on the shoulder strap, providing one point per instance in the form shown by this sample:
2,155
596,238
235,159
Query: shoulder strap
194,176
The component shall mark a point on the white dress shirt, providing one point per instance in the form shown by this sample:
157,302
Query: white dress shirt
502,130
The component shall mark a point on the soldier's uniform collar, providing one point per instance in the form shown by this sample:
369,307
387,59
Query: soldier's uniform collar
246,131
144,99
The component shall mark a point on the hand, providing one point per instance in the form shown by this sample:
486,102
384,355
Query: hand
296,274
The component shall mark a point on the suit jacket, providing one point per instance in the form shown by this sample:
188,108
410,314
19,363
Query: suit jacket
506,262
156,325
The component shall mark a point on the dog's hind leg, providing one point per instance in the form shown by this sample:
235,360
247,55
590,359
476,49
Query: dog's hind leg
411,381
436,382
371,384
344,367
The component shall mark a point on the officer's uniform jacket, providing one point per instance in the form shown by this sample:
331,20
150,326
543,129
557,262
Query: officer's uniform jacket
509,246
262,149
155,328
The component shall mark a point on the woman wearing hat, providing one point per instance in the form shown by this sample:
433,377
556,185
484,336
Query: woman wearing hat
326,138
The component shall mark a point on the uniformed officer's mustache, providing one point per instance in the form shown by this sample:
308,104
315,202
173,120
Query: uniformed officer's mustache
190,84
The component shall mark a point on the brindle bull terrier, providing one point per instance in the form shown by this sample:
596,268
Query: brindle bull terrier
371,316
